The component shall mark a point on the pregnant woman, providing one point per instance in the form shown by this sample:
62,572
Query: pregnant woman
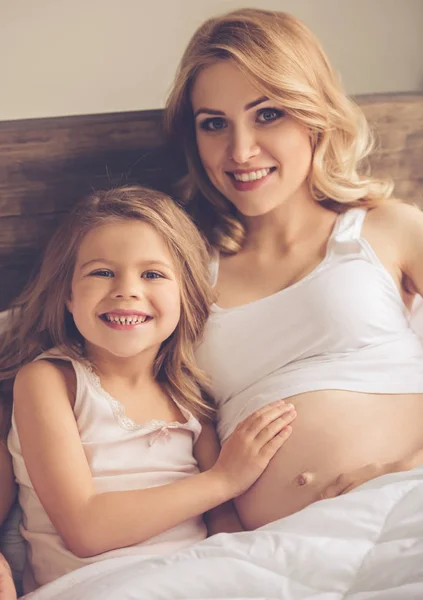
315,267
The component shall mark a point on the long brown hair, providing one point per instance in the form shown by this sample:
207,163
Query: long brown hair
279,54
39,319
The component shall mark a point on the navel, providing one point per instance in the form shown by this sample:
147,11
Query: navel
304,478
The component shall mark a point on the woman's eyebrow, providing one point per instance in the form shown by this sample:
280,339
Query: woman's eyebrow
208,111
220,113
255,103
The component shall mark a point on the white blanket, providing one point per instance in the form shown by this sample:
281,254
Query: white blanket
367,544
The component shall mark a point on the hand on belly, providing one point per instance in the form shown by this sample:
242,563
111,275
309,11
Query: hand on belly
335,432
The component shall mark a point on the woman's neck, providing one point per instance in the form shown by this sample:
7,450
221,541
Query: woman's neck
290,224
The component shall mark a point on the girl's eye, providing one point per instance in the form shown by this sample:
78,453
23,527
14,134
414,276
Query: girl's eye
213,124
268,115
102,273
152,275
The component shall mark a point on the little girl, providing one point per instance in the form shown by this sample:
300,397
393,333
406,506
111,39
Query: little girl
7,494
111,426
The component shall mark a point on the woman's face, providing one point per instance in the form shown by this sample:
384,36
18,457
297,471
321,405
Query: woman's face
254,154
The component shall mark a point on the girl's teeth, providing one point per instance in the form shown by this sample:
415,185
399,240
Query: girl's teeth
252,176
132,320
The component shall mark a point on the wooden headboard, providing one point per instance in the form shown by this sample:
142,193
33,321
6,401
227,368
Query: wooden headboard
47,164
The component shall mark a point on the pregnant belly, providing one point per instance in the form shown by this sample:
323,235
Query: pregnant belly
334,432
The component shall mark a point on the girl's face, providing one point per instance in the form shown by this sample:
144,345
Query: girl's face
125,291
253,153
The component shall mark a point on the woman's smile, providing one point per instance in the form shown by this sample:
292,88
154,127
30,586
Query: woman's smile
248,143
247,180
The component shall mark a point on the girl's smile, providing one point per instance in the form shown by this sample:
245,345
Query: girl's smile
124,319
124,283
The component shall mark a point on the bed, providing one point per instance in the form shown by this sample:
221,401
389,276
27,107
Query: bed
47,164
365,545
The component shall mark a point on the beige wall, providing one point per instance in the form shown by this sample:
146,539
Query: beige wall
61,57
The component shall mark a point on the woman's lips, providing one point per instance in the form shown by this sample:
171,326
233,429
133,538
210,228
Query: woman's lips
252,184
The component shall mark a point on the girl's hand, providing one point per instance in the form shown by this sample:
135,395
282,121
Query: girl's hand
247,452
348,481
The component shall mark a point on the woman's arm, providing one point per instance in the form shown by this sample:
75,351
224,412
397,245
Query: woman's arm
224,518
397,229
61,476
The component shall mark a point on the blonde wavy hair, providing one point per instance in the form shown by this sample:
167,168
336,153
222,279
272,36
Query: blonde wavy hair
40,320
283,58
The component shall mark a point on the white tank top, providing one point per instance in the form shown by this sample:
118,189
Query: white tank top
122,455
344,326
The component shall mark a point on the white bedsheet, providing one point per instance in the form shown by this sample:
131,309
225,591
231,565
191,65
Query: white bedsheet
367,544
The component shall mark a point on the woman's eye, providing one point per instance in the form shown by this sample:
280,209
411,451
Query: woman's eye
102,273
268,115
152,275
213,124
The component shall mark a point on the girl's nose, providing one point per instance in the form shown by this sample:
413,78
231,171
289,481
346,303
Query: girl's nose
127,288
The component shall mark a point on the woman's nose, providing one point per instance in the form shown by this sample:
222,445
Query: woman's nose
243,145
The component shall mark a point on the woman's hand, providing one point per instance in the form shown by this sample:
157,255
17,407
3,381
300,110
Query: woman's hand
247,452
348,481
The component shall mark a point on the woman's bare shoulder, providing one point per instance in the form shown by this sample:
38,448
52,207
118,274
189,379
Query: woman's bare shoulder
394,216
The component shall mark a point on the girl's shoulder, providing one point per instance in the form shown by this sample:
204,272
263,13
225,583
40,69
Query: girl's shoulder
43,376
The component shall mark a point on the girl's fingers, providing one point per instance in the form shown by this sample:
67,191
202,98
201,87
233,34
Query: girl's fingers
275,427
270,449
262,418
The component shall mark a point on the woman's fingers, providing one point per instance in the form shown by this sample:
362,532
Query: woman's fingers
336,489
346,482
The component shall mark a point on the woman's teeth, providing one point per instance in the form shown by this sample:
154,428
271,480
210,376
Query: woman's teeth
129,320
252,175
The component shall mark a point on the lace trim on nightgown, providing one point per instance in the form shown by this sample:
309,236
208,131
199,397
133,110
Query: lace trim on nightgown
123,420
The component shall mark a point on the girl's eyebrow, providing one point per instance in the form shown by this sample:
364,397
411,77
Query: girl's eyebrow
211,111
93,260
150,262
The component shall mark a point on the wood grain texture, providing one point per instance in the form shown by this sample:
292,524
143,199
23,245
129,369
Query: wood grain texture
397,121
47,164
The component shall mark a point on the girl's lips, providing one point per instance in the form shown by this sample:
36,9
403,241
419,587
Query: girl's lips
125,326
125,312
124,320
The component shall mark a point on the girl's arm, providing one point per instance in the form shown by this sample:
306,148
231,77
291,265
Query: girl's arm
91,523
7,482
224,518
